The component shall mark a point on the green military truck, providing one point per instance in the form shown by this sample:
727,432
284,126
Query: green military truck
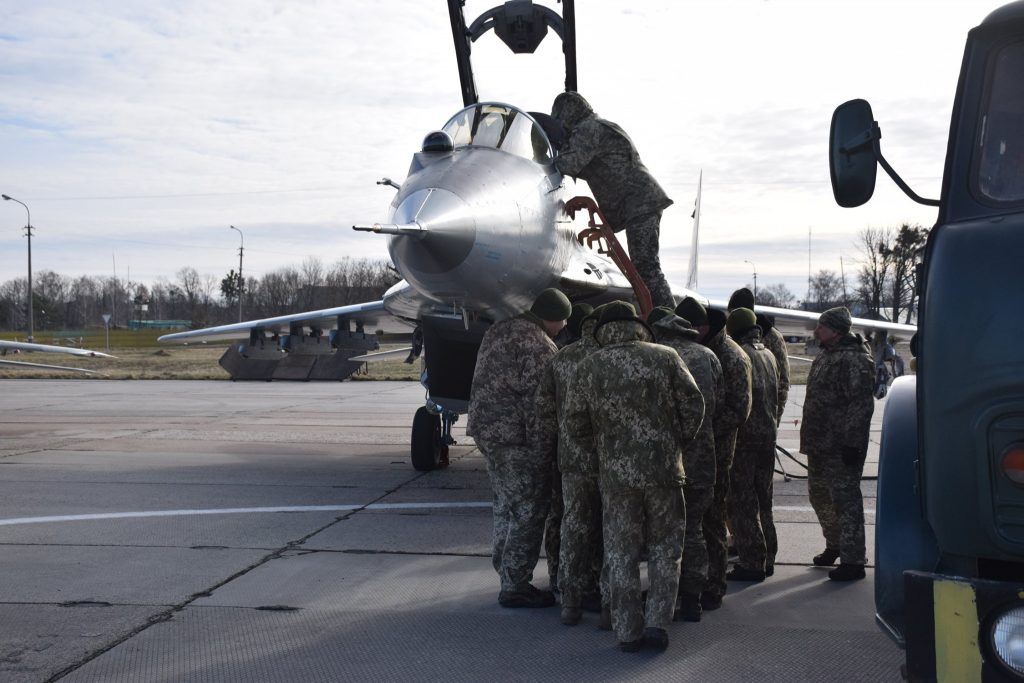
949,578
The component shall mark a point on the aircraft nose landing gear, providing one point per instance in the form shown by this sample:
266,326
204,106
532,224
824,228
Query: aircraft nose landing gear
431,437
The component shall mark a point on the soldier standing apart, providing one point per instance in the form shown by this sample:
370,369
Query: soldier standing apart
729,417
750,487
601,153
698,458
580,551
834,436
502,420
636,404
771,338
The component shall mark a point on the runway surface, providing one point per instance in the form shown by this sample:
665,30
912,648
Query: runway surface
219,531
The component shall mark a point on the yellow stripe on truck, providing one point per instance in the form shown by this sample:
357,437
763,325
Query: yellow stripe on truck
957,655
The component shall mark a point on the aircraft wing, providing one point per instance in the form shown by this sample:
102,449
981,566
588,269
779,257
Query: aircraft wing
791,321
372,315
48,348
42,366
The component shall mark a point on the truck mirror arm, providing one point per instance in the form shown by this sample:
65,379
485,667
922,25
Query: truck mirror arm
875,135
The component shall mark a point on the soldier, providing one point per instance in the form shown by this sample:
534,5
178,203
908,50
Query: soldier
553,524
635,403
771,338
502,420
601,153
729,416
698,458
834,436
580,553
750,487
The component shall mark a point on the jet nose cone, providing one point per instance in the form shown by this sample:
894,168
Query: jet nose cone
447,237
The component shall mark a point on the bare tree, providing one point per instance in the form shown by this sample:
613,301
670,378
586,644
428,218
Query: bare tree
777,295
826,290
904,255
874,275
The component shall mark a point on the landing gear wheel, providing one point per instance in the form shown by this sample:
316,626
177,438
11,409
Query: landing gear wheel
427,450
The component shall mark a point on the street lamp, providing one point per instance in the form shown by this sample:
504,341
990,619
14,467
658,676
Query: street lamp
241,249
28,233
755,277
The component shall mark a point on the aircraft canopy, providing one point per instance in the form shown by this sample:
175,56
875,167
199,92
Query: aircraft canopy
500,126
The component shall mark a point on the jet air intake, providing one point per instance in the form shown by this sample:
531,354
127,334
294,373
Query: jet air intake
433,232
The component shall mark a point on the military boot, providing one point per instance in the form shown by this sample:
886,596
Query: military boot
655,638
710,601
571,615
847,572
526,596
688,607
741,573
827,558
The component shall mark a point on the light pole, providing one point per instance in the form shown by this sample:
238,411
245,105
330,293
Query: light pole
28,233
755,277
241,249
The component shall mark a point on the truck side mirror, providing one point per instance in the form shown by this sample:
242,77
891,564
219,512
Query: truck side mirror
851,150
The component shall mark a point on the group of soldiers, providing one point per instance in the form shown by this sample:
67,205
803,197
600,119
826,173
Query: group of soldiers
651,440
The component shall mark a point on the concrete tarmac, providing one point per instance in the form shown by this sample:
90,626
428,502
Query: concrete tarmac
219,531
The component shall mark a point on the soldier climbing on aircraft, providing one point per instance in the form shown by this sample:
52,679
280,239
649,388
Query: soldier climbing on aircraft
601,153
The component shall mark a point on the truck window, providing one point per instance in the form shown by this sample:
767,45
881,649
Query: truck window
1001,144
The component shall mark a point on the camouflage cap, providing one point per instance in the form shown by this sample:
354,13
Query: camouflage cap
658,313
691,309
837,318
739,321
741,298
617,310
551,305
579,312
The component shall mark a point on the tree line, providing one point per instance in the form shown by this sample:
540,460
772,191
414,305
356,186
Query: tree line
60,302
883,286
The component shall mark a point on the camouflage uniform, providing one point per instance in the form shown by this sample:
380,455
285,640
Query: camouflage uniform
637,405
601,153
776,343
699,456
578,556
750,488
502,420
837,417
729,416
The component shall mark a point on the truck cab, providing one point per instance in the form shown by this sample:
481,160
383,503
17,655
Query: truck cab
949,579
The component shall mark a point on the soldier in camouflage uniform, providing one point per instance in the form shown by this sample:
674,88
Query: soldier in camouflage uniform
581,553
601,153
729,416
502,421
771,338
638,406
553,524
750,487
699,457
834,436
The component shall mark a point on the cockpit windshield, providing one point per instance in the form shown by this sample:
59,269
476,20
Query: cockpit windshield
501,127
1001,165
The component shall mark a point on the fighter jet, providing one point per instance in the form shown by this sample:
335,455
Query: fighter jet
29,347
482,224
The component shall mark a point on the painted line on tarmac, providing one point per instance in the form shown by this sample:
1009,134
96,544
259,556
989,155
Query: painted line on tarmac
294,508
236,511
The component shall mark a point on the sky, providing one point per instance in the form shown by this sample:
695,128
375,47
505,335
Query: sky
138,131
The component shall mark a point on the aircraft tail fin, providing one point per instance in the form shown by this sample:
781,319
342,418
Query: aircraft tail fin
691,276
